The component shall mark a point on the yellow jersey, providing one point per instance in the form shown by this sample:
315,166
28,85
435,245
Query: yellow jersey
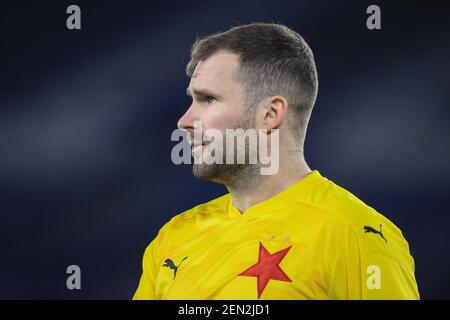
313,240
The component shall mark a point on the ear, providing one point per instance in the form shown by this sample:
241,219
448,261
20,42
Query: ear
275,112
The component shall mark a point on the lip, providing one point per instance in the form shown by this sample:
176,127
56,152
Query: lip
197,146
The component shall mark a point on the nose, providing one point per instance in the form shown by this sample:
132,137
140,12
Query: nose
187,120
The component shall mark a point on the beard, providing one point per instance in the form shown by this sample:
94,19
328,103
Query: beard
232,175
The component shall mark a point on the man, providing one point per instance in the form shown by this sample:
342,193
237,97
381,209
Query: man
290,235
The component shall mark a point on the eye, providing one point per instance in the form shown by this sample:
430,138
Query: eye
210,99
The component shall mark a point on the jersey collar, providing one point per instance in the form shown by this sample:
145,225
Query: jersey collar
297,191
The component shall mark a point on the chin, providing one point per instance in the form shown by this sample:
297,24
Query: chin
208,172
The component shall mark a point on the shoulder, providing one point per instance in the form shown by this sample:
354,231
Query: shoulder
373,231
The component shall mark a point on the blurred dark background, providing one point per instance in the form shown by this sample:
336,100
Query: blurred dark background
86,117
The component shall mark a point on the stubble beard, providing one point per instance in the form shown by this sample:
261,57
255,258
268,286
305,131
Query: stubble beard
233,176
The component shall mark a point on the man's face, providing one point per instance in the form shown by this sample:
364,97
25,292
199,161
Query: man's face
218,101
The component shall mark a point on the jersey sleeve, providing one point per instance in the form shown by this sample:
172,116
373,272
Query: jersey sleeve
364,271
146,288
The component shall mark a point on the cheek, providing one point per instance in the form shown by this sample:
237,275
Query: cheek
225,117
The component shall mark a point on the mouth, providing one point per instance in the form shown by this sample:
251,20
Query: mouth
195,147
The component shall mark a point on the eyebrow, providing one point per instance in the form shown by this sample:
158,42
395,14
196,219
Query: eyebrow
201,92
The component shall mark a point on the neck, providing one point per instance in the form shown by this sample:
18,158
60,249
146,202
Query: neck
261,188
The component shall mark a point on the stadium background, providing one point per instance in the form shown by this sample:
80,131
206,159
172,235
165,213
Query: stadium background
86,118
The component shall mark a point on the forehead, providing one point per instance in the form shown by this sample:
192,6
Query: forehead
216,72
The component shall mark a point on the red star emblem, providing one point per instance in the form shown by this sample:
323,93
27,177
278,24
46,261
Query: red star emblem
267,268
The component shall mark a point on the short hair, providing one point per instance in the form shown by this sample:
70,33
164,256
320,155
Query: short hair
274,60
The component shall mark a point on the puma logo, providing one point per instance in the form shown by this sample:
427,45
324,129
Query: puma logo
370,229
170,264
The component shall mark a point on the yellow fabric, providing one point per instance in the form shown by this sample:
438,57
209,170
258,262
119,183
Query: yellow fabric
307,242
